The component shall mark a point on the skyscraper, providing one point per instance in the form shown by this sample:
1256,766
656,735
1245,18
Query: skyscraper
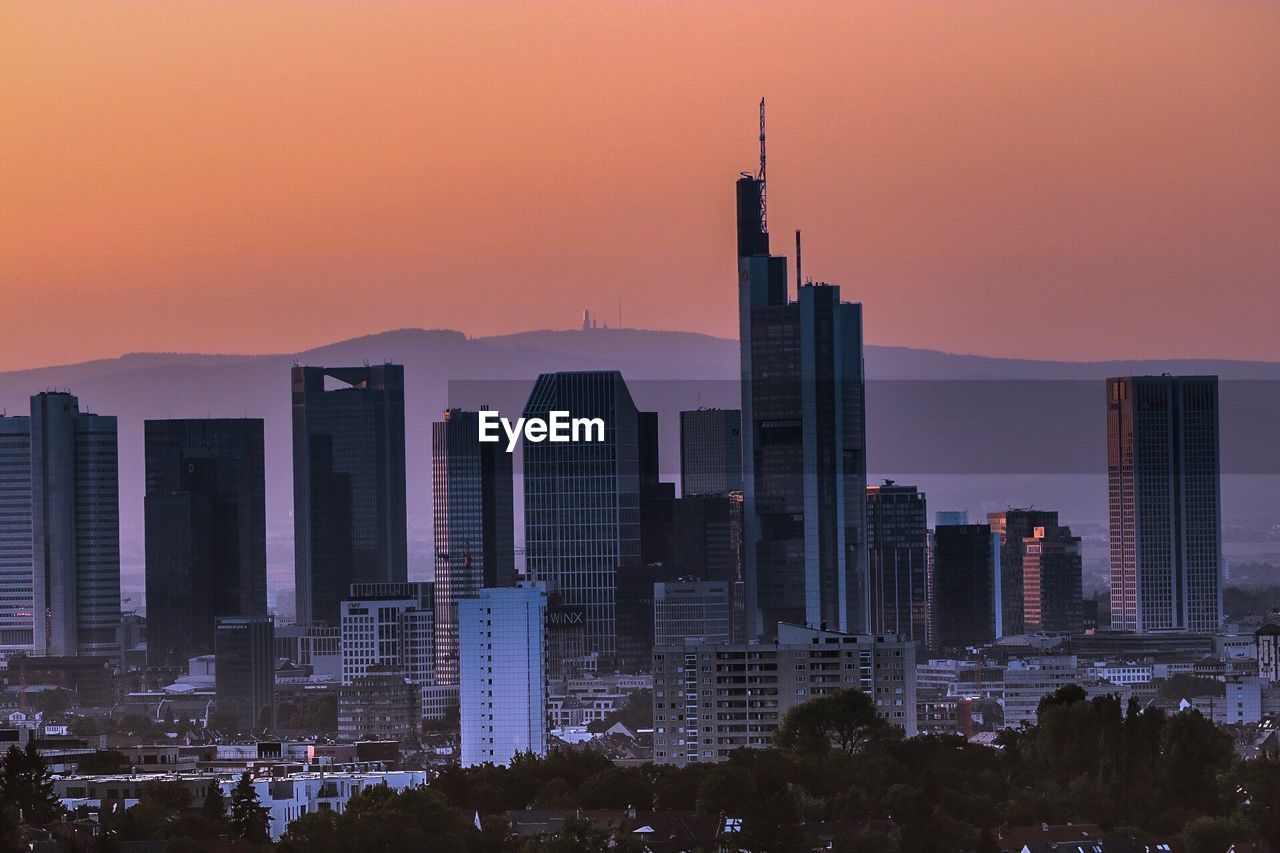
244,670
582,501
206,532
710,452
897,539
473,514
17,595
75,499
503,690
1051,579
964,604
1014,526
1163,481
348,483
707,544
803,438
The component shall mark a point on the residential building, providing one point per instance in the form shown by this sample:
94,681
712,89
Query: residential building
503,689
711,700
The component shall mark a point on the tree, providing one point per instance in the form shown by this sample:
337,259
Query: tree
27,784
215,805
845,719
250,820
103,762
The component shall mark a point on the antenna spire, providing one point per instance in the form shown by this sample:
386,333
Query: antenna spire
764,219
799,280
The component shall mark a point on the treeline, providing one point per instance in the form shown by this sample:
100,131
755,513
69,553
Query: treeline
1139,774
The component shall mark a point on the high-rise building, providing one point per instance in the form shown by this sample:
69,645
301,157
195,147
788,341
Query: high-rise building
690,611
707,544
897,540
503,687
17,593
1052,571
1014,526
473,514
1162,475
803,438
348,483
244,670
964,604
710,452
582,501
389,628
206,532
75,499
709,700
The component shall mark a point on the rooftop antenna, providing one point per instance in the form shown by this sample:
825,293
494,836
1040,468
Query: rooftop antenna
764,219
799,280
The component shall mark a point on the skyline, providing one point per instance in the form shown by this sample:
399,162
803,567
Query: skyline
998,156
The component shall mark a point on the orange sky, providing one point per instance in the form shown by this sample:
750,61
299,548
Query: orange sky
1057,179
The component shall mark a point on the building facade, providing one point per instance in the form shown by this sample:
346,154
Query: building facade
244,671
1165,511
710,452
964,605
206,531
75,499
473,518
803,439
897,544
17,573
1014,526
391,632
711,700
348,483
1052,571
503,688
690,611
582,501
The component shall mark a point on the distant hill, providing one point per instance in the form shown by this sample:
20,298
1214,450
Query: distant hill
978,432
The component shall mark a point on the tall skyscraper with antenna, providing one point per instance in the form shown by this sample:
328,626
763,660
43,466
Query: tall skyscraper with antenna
803,437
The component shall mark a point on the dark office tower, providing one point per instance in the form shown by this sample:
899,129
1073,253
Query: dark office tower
710,452
1162,474
75,500
897,539
16,574
803,439
582,501
1014,526
706,543
656,497
348,483
473,514
965,586
244,671
1051,573
206,532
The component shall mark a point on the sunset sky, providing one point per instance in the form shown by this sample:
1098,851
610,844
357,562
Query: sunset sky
1053,179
